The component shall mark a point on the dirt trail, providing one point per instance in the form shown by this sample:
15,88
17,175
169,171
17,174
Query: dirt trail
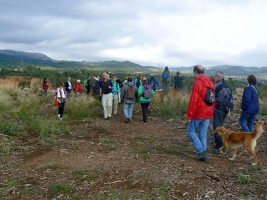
114,160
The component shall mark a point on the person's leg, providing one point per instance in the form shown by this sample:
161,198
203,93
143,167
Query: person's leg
203,132
191,131
164,87
146,108
243,120
217,121
89,89
126,110
115,104
104,103
62,111
131,111
167,87
119,97
251,120
143,105
109,104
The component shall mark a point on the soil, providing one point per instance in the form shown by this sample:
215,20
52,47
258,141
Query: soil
111,159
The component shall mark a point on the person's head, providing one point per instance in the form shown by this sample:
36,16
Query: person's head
78,81
60,85
218,76
166,68
105,76
198,70
177,72
252,79
130,79
114,78
69,79
140,78
45,80
144,82
126,78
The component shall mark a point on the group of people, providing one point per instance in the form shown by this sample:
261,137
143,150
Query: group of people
199,112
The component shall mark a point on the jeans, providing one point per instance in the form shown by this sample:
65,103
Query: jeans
218,120
107,104
144,111
199,141
61,109
68,94
44,92
246,121
165,87
128,110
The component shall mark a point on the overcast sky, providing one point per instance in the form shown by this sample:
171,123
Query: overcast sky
148,32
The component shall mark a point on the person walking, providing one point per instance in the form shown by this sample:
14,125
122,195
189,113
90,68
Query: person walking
249,105
78,88
199,113
166,80
178,81
120,84
86,84
115,95
45,87
224,104
61,99
68,87
105,88
128,94
138,81
145,93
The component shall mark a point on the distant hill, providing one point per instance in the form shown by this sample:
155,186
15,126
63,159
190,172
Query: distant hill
228,70
25,55
16,59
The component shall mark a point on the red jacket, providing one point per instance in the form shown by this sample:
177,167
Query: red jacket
197,108
44,85
78,87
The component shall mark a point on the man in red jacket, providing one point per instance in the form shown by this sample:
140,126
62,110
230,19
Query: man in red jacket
199,113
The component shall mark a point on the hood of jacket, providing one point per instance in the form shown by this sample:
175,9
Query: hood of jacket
206,80
130,83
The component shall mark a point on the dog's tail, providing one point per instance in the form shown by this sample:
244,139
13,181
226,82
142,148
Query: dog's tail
258,130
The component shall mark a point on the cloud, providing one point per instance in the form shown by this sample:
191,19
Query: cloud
177,33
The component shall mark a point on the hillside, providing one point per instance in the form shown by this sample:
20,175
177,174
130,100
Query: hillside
17,59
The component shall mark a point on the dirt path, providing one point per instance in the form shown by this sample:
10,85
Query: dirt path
114,160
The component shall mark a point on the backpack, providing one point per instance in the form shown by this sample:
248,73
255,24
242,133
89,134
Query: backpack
147,92
209,97
130,93
165,75
85,82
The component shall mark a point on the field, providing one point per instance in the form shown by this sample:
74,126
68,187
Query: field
87,157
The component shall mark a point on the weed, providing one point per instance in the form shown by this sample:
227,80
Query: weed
109,143
88,177
160,188
45,167
244,179
9,128
59,188
13,182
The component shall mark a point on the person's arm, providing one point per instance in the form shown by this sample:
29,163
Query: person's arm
246,99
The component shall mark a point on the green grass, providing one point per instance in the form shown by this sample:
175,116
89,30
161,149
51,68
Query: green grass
59,188
110,144
9,128
13,182
244,179
160,188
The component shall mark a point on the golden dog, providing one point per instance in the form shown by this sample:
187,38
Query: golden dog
236,139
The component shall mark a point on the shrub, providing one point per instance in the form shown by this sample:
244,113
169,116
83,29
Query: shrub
59,188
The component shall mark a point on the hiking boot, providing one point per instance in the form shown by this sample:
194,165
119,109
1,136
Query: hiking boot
204,159
108,118
201,155
216,151
127,120
143,122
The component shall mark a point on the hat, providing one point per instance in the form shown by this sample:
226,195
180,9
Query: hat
78,80
144,79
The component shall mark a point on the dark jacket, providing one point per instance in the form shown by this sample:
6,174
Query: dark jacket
67,86
223,96
250,100
178,79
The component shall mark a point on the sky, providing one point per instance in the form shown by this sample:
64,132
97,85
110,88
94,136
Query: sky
158,33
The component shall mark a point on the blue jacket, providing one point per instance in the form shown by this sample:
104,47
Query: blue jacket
153,81
250,100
